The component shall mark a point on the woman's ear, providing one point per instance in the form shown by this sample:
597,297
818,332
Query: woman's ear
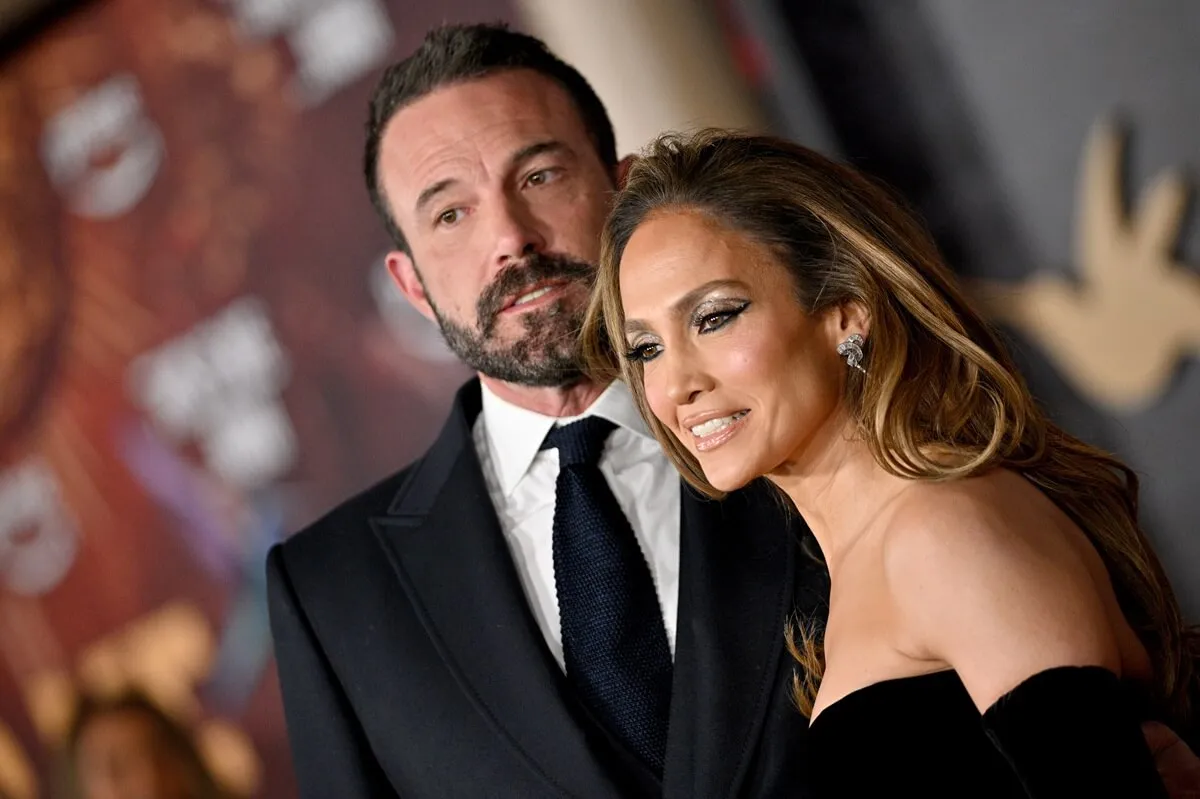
849,318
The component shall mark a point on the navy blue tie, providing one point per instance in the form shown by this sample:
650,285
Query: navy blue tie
614,641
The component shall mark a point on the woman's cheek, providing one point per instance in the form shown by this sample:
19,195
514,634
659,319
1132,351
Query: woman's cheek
744,361
656,397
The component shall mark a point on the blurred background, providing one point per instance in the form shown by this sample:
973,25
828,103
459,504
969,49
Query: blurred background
200,350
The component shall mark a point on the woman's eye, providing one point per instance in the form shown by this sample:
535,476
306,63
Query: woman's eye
643,352
710,322
714,321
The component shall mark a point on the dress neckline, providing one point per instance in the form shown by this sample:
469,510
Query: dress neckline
859,694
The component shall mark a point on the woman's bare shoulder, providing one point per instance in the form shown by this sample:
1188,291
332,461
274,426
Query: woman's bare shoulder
989,577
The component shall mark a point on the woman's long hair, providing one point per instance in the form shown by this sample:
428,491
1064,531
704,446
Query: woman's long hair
941,399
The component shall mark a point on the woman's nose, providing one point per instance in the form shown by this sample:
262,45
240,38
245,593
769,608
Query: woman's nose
685,380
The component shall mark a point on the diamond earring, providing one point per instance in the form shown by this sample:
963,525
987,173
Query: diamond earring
852,350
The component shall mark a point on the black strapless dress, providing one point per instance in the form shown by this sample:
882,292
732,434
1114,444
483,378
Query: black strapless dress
1065,732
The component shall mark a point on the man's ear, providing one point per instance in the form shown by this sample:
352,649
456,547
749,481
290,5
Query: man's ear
404,274
623,170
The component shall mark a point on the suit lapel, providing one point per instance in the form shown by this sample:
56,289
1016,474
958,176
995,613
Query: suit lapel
737,565
447,549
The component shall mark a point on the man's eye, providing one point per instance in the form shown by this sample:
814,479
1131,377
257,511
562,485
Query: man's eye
450,217
540,178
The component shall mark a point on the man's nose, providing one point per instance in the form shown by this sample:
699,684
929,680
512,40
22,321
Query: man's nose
517,233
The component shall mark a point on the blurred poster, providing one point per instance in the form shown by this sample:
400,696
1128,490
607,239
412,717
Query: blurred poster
199,351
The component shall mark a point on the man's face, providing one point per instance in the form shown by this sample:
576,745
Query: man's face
502,196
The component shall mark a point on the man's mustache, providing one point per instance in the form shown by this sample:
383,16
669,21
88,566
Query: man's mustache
520,277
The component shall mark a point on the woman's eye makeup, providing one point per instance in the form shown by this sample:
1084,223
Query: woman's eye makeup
712,316
708,317
643,351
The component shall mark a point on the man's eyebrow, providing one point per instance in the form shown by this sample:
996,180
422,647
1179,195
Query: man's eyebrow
433,190
536,149
518,158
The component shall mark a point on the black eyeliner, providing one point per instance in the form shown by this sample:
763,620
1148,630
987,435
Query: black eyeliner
730,311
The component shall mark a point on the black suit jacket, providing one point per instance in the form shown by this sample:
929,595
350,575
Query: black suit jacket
412,666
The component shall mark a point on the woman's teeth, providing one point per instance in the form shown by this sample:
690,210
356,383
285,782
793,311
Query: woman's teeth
713,425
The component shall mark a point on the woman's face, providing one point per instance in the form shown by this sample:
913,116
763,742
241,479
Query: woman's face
733,367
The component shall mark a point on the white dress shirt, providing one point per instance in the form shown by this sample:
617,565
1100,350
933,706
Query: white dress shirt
521,479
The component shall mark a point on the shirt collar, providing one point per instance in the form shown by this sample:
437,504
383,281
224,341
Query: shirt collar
515,434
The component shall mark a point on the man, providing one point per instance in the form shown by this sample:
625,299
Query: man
537,607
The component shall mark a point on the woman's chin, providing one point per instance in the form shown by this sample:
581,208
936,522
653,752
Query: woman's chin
727,480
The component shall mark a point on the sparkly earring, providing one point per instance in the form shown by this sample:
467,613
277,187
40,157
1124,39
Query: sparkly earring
852,350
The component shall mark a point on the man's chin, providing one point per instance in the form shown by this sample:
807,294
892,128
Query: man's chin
521,364
549,381
537,376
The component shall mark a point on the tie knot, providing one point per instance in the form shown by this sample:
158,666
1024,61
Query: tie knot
579,442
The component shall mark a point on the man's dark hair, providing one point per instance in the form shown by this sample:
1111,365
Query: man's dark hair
458,53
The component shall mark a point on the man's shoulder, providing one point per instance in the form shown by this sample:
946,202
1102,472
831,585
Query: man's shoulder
349,520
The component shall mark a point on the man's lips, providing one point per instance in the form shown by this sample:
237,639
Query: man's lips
535,295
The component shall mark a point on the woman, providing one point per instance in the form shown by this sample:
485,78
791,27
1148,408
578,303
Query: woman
998,624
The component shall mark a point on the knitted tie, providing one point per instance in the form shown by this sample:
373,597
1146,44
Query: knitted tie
614,640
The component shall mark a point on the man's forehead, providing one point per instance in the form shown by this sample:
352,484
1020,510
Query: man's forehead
481,122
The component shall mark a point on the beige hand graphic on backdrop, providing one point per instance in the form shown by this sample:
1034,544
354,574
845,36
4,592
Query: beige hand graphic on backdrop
1117,334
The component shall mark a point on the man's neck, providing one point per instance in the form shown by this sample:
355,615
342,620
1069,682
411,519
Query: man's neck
555,401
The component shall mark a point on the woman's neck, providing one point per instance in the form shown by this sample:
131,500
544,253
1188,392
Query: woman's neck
838,488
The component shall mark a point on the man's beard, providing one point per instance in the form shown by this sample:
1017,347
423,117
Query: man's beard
548,353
